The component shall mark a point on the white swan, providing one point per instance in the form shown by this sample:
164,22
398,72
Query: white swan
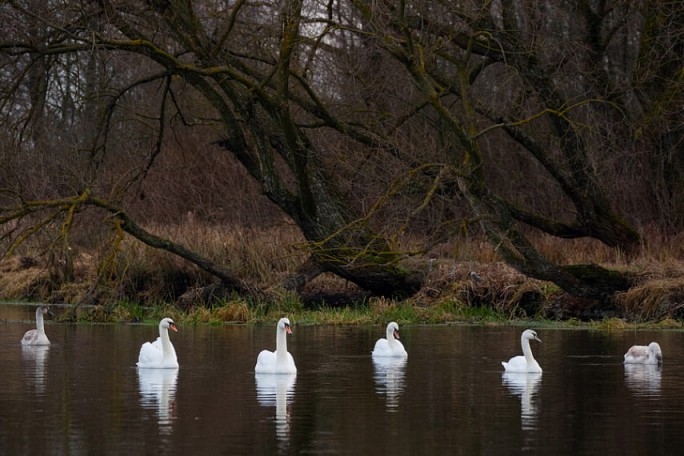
525,363
280,361
159,354
37,336
644,354
391,345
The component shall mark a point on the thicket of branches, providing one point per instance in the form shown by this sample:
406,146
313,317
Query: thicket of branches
360,122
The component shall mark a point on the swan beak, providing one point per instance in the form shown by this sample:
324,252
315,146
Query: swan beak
173,326
396,334
288,329
537,339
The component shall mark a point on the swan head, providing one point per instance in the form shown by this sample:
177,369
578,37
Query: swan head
530,334
654,350
43,310
393,330
284,325
168,323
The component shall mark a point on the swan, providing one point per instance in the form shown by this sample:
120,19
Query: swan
280,361
644,354
391,345
37,336
159,354
525,363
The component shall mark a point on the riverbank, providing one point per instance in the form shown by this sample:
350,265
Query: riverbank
368,314
464,283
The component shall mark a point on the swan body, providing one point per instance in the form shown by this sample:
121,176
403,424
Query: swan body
390,346
279,361
159,354
37,336
526,362
644,354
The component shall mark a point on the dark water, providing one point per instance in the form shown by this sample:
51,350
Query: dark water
83,395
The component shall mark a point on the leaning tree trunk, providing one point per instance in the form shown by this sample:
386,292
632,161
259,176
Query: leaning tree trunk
339,241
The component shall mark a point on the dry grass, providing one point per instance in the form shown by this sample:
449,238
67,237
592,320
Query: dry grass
264,256
656,299
261,256
17,275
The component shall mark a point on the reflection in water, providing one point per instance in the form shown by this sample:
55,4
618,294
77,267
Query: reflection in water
36,356
390,379
582,404
643,379
158,392
525,385
277,390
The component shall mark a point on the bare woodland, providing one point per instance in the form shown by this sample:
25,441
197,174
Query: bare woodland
379,129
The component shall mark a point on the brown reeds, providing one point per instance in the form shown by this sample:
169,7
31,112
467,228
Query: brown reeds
264,256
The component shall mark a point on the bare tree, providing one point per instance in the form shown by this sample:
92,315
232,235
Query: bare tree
338,108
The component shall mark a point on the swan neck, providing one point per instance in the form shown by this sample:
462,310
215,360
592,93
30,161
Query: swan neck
40,325
281,342
527,351
165,341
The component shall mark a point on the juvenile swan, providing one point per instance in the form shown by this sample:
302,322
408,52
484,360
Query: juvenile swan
280,361
391,345
37,336
644,354
525,363
159,354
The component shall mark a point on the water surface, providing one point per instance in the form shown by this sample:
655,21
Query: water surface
84,395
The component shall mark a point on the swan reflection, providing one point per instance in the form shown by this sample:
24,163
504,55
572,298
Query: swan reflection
525,385
277,390
158,393
390,379
643,379
35,356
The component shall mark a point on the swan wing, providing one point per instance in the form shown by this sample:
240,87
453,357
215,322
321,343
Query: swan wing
267,363
637,354
515,364
399,349
29,337
34,337
151,354
384,348
381,348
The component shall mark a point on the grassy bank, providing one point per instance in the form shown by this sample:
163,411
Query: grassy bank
132,282
365,313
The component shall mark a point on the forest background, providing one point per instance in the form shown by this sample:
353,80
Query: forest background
525,157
